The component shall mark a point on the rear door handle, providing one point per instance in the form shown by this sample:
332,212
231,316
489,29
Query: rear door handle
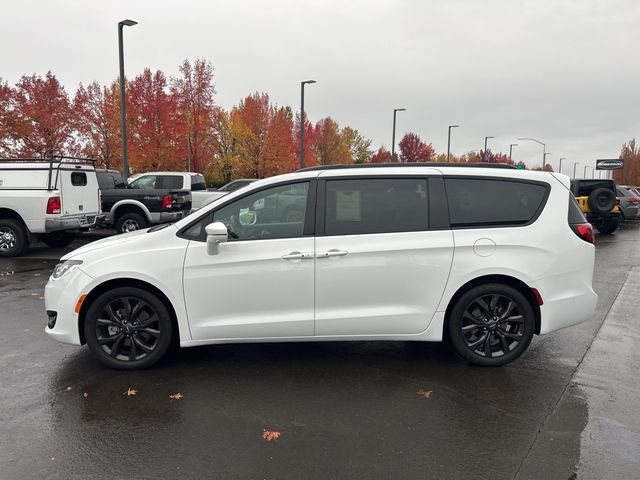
297,256
333,253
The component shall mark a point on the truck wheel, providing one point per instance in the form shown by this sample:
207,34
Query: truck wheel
13,238
130,222
58,239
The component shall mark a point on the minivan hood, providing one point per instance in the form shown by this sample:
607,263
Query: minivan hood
121,240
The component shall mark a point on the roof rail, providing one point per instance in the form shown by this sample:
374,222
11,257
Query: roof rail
52,159
406,164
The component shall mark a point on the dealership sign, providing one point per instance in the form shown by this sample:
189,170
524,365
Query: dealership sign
612,164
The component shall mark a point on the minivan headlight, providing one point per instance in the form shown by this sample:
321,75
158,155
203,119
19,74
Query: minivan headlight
63,268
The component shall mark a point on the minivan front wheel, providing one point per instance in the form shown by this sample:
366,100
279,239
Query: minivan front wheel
128,328
491,324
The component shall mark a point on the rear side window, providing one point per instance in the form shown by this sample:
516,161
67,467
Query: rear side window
475,202
198,183
575,214
169,181
382,205
78,179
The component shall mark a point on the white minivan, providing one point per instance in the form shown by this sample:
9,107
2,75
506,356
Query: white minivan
486,257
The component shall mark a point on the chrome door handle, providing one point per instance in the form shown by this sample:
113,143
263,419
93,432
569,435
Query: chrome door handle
297,256
333,253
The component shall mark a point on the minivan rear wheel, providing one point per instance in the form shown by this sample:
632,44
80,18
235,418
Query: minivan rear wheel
128,328
491,324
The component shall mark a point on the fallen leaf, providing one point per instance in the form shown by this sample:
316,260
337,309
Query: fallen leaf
269,436
85,394
424,393
69,388
176,396
130,392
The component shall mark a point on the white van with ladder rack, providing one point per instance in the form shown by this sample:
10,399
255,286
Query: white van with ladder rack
46,199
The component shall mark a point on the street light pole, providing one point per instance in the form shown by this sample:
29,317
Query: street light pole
123,106
574,168
511,149
393,135
449,140
560,166
485,143
302,84
585,171
544,149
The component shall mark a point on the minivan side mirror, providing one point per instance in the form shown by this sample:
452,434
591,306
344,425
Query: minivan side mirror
216,234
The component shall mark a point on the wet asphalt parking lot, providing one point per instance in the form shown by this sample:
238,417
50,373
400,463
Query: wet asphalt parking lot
568,408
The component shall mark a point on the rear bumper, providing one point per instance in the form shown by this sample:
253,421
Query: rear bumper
164,217
567,301
72,223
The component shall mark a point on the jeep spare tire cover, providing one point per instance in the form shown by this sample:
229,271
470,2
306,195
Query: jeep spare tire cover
601,200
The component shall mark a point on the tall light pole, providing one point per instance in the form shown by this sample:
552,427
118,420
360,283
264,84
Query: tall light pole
123,106
585,171
544,159
302,84
544,149
485,143
511,145
560,166
393,135
449,140
574,168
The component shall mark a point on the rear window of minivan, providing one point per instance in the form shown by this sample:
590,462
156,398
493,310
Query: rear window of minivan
479,202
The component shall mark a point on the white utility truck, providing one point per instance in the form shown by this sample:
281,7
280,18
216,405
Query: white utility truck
46,199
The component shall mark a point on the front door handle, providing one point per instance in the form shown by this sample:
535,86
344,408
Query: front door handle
297,256
332,253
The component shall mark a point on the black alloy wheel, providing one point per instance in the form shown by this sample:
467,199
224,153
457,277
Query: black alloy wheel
491,325
128,328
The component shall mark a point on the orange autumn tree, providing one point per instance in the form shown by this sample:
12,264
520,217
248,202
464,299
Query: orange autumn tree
152,124
6,97
630,173
193,92
329,144
97,111
279,153
41,122
413,149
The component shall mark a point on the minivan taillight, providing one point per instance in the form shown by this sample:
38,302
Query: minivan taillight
633,200
167,201
53,205
584,231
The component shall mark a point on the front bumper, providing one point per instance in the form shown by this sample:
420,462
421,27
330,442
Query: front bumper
60,299
76,222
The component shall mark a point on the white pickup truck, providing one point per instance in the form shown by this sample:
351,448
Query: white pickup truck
46,199
194,182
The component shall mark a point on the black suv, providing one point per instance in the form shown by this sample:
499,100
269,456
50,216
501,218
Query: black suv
598,201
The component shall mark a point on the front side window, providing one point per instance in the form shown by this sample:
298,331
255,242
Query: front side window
489,202
277,212
376,206
147,182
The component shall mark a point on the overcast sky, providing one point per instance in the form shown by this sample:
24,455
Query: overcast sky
564,72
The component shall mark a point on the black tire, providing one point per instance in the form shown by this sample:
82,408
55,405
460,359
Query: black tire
13,238
128,328
58,239
489,319
608,226
601,200
130,222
